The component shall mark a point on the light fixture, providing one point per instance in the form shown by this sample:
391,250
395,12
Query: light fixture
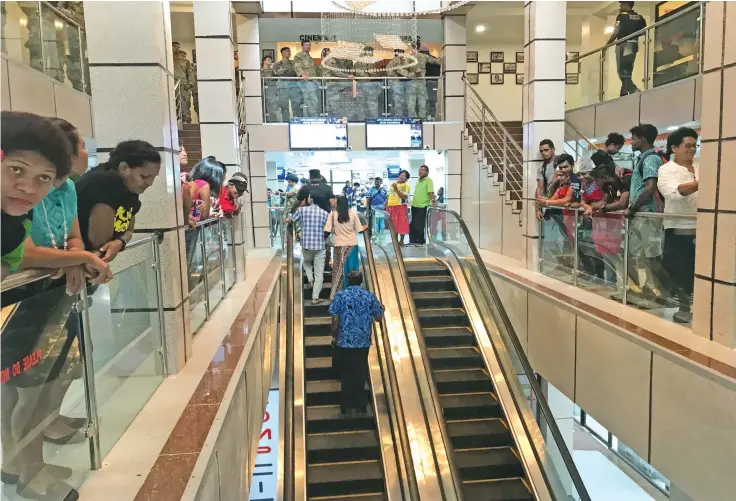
609,29
480,28
673,127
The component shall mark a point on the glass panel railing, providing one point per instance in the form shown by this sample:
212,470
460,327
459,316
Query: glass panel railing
355,98
557,244
215,276
664,52
228,249
46,39
552,452
195,277
125,331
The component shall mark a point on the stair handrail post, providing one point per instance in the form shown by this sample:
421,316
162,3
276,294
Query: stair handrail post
505,161
483,133
601,79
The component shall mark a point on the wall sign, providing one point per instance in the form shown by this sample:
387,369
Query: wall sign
263,486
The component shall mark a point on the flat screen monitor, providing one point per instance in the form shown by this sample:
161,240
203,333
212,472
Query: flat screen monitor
319,133
393,171
393,134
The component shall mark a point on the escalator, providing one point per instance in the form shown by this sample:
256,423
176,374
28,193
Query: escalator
343,453
482,445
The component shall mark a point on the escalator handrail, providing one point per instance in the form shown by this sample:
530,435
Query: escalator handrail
388,224
511,332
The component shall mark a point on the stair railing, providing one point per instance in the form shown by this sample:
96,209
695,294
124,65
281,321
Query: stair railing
496,144
178,103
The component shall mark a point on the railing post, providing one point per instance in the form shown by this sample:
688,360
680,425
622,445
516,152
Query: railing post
264,89
625,292
160,305
505,161
204,271
81,58
88,375
221,241
575,249
385,98
465,102
483,132
601,79
701,24
646,62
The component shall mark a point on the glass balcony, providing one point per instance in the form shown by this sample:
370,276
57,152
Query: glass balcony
355,98
48,40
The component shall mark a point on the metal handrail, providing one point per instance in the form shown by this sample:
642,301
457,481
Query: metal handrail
66,17
645,215
637,34
529,372
577,131
493,116
350,78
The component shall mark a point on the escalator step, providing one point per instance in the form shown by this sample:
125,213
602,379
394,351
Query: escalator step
374,496
493,462
462,381
318,346
441,299
448,336
505,489
324,294
454,358
319,368
339,479
345,446
316,310
423,269
470,406
327,419
317,326
325,392
478,433
431,283
446,317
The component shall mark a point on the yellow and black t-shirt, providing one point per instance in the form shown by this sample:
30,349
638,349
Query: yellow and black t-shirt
102,186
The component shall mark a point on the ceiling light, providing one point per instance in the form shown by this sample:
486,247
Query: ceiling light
480,28
673,127
609,29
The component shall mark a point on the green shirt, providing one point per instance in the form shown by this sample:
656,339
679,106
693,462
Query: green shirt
421,192
15,257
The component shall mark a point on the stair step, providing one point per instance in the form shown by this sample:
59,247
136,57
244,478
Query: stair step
357,445
447,317
319,369
454,358
478,433
341,479
462,381
317,326
316,310
324,294
426,268
503,489
435,337
470,406
441,299
318,346
489,463
328,419
431,283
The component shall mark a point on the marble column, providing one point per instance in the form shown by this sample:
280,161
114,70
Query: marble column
131,72
543,103
218,113
249,56
714,311
454,43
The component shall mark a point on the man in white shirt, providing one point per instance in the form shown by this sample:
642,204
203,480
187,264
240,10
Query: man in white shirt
678,184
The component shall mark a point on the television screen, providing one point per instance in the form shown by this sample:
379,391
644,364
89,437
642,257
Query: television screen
393,171
318,133
280,173
393,134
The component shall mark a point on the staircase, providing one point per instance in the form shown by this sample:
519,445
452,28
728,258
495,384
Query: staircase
190,136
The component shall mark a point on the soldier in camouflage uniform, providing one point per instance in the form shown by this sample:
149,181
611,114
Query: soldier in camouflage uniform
335,90
398,87
371,90
184,74
288,89
270,92
416,94
306,69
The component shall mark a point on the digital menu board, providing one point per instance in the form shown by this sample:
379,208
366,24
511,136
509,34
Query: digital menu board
393,134
318,133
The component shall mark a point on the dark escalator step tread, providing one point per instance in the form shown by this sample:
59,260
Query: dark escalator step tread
489,463
425,269
317,326
339,479
454,358
431,283
324,293
318,346
319,368
373,496
443,317
316,310
438,299
328,419
507,489
358,445
462,381
325,392
479,433
470,406
448,336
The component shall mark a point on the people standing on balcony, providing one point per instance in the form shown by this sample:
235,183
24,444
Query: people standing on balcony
289,91
416,93
628,22
344,225
398,87
645,234
678,183
187,79
335,90
423,198
545,172
306,69
270,91
371,89
398,199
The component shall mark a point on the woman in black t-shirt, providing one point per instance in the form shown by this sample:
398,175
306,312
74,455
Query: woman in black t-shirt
108,196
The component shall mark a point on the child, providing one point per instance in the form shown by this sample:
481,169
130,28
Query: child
34,154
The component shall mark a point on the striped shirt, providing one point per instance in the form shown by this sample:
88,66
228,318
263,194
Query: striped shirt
313,221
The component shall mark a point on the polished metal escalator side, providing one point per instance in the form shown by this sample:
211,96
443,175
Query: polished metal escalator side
506,360
432,455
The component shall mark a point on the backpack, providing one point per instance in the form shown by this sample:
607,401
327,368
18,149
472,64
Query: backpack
640,167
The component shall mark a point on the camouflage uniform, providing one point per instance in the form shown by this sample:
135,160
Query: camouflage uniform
336,90
271,97
287,89
398,87
416,94
371,90
74,10
184,74
304,64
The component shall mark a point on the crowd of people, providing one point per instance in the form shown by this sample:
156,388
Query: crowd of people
661,250
302,93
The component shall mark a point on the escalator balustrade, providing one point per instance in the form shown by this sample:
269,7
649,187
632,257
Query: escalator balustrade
343,452
484,452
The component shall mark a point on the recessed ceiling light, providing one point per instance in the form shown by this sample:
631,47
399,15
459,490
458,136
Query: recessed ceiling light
480,28
609,29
